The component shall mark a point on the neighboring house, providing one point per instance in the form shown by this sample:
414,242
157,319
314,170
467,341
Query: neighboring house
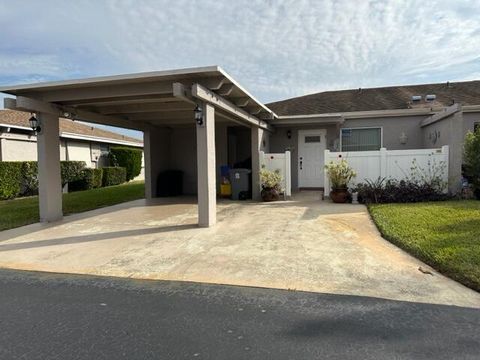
396,118
197,119
78,141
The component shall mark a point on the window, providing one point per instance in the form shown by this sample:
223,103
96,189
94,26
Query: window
476,126
361,139
312,139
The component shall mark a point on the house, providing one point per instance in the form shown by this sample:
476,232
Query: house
197,119
397,118
78,141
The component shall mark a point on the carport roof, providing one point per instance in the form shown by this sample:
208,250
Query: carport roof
133,100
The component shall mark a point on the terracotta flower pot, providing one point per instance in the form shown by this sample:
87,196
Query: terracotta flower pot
339,196
270,194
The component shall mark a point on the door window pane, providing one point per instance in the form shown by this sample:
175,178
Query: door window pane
312,139
361,139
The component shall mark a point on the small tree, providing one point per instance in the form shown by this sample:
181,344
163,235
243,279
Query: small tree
129,158
471,159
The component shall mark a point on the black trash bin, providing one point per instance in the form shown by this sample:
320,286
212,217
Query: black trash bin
170,183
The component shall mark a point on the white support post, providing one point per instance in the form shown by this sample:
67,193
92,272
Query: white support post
147,155
288,174
326,180
207,201
383,162
49,179
257,136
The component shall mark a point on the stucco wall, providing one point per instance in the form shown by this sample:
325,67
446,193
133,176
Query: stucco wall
176,149
469,120
448,131
18,150
393,127
79,151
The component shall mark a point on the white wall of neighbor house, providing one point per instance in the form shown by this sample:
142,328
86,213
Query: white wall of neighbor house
17,149
23,147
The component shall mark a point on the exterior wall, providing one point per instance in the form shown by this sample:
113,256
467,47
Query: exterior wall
470,119
279,142
448,131
183,150
79,151
22,147
17,148
393,127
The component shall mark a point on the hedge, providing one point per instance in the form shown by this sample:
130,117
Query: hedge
129,158
90,179
29,184
114,175
10,179
19,178
71,171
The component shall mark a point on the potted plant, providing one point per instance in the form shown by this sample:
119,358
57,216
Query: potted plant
270,181
340,174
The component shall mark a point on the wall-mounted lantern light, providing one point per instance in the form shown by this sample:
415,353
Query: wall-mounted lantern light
289,134
403,138
198,115
34,123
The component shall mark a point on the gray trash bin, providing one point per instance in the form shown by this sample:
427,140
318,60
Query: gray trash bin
240,180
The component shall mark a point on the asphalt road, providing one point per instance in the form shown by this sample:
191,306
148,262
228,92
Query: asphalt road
49,316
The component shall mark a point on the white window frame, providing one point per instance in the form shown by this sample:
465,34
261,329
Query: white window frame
359,128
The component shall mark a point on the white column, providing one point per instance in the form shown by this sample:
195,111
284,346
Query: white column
49,180
207,197
257,139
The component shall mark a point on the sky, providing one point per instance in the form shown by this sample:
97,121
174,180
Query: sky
275,49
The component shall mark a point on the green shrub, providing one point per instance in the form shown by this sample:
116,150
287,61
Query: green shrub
129,158
90,179
71,171
472,160
10,179
114,175
29,184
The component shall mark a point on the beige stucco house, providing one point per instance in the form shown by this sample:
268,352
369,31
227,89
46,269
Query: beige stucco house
78,141
197,119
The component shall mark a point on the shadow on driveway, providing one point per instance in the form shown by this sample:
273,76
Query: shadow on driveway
94,237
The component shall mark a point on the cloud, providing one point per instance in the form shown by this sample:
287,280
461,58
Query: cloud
276,49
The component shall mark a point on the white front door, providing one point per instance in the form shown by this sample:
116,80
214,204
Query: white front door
311,153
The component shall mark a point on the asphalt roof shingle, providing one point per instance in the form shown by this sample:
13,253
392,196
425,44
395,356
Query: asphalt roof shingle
382,98
19,118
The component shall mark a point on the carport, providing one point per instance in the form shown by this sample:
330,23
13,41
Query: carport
161,104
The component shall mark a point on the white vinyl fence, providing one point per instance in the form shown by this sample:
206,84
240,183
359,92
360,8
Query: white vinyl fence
389,164
282,163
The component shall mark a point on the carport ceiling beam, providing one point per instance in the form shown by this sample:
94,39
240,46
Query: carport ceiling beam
22,103
143,108
188,114
204,94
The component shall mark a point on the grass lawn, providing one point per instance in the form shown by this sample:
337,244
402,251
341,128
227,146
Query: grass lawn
23,211
445,235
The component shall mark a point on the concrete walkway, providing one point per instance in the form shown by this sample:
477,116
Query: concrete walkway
304,244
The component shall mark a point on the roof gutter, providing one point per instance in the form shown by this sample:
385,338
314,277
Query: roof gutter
68,135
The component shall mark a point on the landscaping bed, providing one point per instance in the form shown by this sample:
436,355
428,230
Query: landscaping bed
24,211
445,235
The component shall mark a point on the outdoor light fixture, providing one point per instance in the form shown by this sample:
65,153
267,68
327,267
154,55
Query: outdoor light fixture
34,123
198,115
289,134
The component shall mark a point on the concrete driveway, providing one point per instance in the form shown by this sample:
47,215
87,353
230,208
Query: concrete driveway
303,244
